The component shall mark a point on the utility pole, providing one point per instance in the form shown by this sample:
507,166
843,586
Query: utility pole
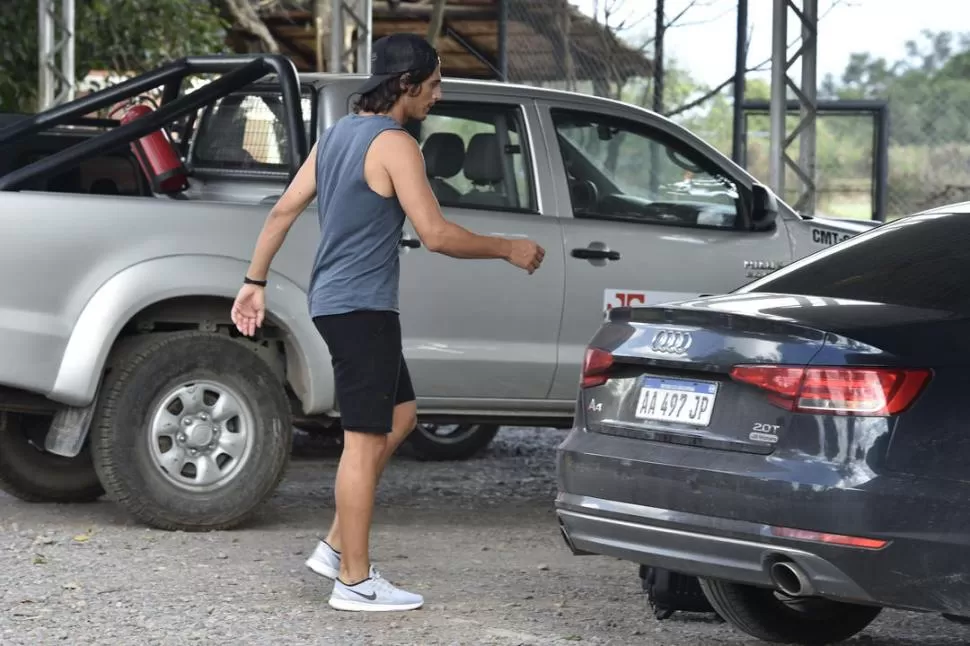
660,29
321,22
345,15
55,53
740,64
807,92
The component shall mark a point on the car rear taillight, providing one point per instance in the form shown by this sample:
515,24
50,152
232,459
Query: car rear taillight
596,364
876,392
831,539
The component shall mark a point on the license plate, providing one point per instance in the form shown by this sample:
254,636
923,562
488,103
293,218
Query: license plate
676,401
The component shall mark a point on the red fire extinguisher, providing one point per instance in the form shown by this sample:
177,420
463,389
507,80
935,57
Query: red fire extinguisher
156,154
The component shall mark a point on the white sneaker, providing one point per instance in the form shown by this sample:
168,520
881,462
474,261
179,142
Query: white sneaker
373,594
325,560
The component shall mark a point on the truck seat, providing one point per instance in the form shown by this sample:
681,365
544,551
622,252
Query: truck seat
483,167
444,156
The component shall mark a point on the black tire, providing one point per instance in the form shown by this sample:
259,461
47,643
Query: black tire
30,473
467,441
141,375
772,617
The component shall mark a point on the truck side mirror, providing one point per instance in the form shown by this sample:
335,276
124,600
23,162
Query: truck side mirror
764,208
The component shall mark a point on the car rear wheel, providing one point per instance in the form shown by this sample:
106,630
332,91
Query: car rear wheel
773,617
192,432
438,442
30,473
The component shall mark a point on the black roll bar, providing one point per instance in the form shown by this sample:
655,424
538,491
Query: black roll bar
237,72
67,112
289,85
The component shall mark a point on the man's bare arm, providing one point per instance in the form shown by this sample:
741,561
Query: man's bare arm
281,217
402,159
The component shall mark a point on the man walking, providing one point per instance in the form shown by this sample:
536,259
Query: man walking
369,175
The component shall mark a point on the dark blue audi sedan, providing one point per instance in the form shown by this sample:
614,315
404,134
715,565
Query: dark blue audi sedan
801,445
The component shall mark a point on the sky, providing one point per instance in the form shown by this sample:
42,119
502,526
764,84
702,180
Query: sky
705,42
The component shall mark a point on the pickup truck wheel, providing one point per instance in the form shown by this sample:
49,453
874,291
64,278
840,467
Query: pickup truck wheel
193,432
773,617
30,473
435,442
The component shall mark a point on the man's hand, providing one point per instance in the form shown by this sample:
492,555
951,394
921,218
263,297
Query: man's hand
249,309
526,254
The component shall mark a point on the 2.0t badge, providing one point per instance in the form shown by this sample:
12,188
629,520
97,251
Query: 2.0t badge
671,342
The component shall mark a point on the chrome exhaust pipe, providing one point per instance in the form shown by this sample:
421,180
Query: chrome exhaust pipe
791,579
569,542
565,538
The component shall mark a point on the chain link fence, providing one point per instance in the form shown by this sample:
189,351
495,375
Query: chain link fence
553,44
844,161
929,146
929,163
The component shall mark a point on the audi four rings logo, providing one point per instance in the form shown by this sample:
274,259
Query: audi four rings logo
671,342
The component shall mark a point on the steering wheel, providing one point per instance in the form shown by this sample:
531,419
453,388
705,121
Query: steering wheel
683,163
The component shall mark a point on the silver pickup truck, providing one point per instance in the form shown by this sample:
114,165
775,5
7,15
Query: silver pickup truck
125,240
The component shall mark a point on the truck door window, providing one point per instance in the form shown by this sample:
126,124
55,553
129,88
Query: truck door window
617,169
475,157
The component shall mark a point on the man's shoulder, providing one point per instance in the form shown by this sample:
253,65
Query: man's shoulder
368,126
330,130
394,142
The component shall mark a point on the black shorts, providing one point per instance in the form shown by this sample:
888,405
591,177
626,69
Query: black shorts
370,374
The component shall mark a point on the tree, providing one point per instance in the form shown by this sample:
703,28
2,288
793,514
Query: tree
245,16
120,36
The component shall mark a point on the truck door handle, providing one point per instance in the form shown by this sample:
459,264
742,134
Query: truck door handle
413,243
589,253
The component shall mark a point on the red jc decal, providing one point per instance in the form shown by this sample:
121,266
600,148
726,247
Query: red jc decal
617,298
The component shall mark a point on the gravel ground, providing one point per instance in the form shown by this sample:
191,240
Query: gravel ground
478,539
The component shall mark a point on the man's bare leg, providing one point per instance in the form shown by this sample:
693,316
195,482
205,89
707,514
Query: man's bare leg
356,485
405,419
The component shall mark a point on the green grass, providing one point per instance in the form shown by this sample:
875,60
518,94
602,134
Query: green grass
857,210
848,198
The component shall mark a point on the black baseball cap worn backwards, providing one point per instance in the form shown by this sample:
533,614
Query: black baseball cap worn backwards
396,54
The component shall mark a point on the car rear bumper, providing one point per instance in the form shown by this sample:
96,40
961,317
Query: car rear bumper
638,534
921,568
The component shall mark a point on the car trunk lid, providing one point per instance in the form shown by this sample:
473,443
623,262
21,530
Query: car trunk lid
729,372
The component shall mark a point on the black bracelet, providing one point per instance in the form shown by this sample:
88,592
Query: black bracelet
253,281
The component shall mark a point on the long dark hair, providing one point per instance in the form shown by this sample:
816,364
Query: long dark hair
384,96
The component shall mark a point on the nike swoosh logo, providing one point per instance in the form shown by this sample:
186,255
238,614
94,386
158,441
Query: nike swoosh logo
369,597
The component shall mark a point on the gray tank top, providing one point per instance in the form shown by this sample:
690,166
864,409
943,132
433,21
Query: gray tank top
357,264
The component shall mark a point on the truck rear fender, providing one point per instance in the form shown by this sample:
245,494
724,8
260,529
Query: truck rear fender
139,286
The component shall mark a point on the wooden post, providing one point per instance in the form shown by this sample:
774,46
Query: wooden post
437,20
